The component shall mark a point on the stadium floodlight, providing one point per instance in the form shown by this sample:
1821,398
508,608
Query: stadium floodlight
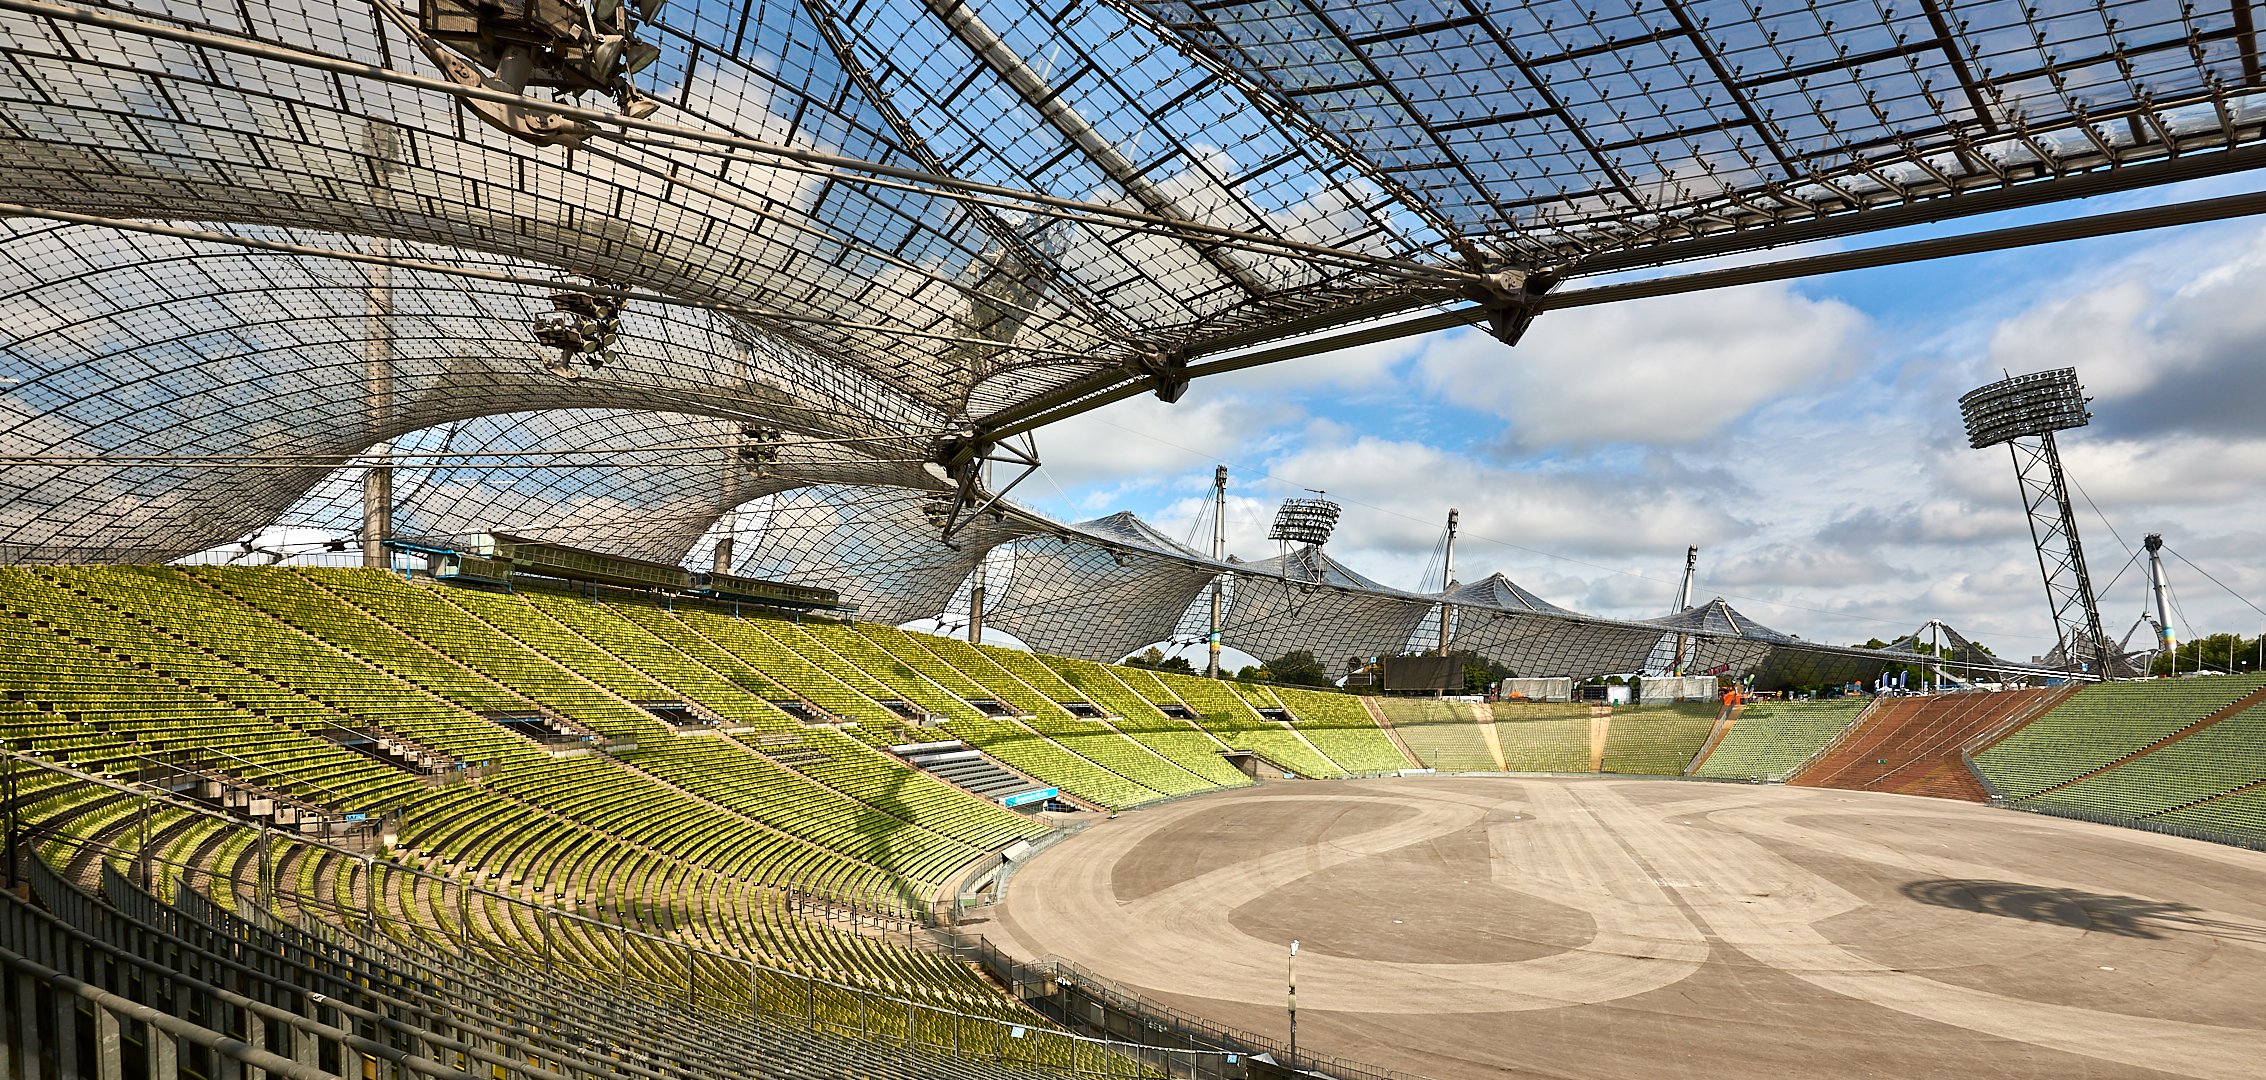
2024,411
2033,404
566,45
1305,521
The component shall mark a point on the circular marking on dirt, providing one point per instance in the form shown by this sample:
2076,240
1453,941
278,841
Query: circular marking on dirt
1586,927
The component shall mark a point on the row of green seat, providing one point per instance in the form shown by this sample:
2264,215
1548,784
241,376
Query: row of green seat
1335,724
1138,714
1657,740
2102,723
1444,735
1545,743
1770,740
596,643
2224,757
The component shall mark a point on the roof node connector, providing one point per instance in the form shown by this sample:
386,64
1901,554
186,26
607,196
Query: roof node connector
1167,365
1509,294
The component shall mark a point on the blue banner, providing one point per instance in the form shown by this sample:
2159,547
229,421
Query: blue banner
1037,795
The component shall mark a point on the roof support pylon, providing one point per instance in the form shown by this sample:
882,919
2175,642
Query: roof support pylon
1219,554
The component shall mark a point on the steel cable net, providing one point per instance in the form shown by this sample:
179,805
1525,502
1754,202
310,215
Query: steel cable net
277,248
169,394
879,547
1306,600
1097,590
1557,129
110,122
659,483
1500,620
1547,645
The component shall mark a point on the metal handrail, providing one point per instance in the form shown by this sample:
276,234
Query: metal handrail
112,1007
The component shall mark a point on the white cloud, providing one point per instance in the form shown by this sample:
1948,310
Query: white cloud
1143,442
1662,372
1812,451
1398,494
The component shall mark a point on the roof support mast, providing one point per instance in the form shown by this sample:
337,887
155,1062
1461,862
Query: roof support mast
2165,639
377,375
1447,581
1684,603
1219,554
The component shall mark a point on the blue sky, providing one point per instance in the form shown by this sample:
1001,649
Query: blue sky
1806,436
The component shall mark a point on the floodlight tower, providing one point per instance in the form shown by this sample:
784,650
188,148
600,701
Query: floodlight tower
1304,521
2024,412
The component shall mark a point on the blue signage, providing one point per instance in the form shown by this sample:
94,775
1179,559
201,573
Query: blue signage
1022,797
357,817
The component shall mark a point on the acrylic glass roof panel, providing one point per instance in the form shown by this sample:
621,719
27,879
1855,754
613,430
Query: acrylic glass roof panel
1705,655
877,546
1502,594
1310,564
652,499
636,484
1065,594
168,394
1543,646
1127,528
1269,614
1075,103
105,122
1784,667
1718,618
1558,128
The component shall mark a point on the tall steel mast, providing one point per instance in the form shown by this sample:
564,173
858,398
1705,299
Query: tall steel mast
1447,580
1219,554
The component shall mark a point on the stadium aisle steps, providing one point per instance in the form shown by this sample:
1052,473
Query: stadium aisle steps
1911,745
1092,739
576,633
1030,744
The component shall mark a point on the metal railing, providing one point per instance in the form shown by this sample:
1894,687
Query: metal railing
1180,1043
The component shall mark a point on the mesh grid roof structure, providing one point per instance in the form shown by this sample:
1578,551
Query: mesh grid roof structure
1560,130
249,250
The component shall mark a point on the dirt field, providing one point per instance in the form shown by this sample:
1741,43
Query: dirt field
1483,927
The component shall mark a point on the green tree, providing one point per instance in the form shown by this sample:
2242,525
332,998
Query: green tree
1299,668
2214,652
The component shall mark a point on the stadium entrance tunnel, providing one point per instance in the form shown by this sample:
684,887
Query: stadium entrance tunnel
1255,766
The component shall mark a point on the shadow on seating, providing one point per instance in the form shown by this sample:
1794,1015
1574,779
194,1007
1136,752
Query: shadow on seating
2127,916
